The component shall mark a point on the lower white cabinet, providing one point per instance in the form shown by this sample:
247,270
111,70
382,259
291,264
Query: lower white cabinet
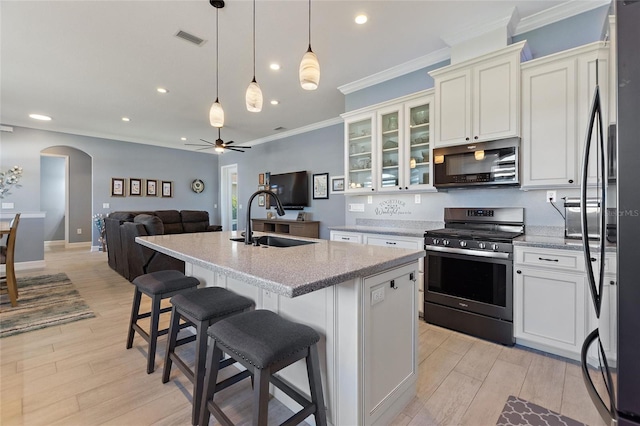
553,309
385,240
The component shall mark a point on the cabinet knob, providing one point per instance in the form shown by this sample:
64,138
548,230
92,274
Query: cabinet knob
466,139
406,187
400,188
518,271
475,137
372,189
612,282
570,180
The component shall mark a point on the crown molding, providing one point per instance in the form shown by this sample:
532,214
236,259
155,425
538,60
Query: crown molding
462,34
397,71
558,13
4,128
299,130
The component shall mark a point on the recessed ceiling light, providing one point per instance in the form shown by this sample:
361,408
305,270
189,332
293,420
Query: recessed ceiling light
162,90
361,19
274,66
183,138
40,117
275,102
125,119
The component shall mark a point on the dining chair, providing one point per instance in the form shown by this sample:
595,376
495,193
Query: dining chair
7,258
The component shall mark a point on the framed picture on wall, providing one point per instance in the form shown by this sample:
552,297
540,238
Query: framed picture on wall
117,187
167,189
152,188
261,179
337,184
321,186
261,200
135,187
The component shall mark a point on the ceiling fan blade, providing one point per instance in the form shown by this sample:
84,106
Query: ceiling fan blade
243,147
202,149
228,143
198,144
210,143
234,149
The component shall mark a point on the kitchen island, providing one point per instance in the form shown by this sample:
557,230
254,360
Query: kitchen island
361,299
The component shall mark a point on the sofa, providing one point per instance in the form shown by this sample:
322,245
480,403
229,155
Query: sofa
129,258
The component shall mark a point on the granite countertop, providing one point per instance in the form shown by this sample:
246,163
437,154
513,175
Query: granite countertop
403,232
557,242
288,271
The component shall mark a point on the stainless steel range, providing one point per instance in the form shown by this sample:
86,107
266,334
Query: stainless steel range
469,271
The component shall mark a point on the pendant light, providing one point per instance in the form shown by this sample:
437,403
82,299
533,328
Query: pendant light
309,72
253,98
216,113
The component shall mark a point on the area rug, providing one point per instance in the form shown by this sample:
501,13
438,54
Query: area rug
521,412
44,301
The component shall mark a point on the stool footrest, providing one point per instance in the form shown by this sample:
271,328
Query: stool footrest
183,367
292,393
232,380
297,418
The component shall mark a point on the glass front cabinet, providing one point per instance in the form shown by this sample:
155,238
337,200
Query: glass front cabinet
388,146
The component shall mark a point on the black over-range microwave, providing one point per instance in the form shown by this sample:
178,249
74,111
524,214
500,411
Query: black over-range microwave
477,164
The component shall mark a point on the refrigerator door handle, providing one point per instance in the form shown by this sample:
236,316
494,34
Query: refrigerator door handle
608,414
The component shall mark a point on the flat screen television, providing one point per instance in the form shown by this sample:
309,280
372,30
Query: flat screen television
292,190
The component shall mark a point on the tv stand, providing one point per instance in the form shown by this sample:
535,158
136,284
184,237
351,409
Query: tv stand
297,228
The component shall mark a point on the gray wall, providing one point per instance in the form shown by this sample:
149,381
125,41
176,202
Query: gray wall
52,196
318,151
112,158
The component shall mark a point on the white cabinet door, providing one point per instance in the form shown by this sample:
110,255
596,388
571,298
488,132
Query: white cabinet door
359,153
416,167
496,103
453,108
549,310
390,329
549,124
390,155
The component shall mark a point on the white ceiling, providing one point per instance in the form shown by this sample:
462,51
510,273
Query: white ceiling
89,63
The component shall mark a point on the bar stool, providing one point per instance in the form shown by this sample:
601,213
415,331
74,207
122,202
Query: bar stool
158,286
264,343
202,308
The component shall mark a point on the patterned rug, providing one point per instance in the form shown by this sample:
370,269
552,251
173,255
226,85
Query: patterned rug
44,301
518,412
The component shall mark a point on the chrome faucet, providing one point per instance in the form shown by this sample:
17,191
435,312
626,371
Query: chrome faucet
279,209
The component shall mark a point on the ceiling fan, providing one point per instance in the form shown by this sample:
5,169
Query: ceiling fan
219,145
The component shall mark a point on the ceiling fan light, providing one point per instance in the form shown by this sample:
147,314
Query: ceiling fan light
219,149
309,71
253,97
216,114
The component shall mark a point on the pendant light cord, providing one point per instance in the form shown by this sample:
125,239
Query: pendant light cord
254,40
217,42
309,24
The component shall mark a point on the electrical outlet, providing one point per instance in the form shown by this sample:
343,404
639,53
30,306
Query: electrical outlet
377,296
417,199
551,196
105,205
79,231
369,199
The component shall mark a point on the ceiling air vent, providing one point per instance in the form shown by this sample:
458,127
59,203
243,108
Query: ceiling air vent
190,38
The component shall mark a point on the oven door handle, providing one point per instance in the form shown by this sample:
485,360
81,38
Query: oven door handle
491,254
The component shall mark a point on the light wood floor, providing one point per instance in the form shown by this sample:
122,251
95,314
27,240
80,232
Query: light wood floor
81,373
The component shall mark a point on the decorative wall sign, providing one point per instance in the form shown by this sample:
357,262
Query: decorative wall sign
392,207
321,186
167,189
117,187
152,188
197,186
135,187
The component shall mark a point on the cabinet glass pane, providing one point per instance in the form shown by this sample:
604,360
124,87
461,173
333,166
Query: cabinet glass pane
360,151
390,151
419,141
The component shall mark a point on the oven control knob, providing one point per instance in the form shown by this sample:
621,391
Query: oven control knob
482,245
494,247
436,241
463,243
445,242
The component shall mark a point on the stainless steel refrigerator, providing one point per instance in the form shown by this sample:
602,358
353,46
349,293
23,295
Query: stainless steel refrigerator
619,403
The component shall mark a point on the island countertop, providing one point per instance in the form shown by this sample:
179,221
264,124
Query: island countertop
288,271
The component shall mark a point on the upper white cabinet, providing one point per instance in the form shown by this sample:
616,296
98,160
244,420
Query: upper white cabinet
478,100
557,93
388,146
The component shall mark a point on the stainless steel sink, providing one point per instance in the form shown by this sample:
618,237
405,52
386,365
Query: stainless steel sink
271,241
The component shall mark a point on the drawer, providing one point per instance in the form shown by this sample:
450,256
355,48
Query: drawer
394,242
349,237
567,260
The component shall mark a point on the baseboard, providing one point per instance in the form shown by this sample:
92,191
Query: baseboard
96,248
23,266
86,244
54,243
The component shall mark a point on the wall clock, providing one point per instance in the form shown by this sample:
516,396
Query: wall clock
197,186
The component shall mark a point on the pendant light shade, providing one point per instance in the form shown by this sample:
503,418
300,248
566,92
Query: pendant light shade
309,72
216,114
253,97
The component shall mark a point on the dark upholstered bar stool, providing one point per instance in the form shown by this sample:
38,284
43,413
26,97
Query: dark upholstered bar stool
264,343
157,285
202,308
